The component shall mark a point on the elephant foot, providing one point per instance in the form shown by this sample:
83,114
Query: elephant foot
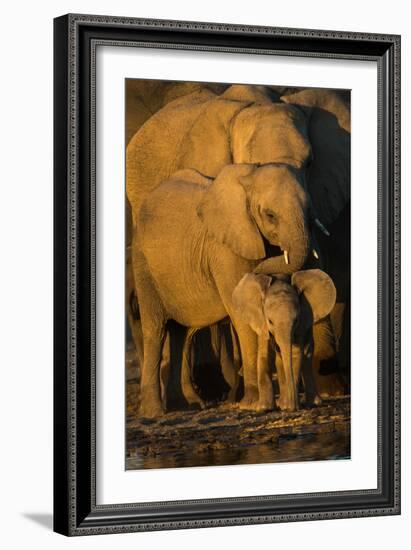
193,399
250,399
284,405
231,396
330,385
281,403
312,400
196,404
247,403
265,405
151,409
230,399
317,401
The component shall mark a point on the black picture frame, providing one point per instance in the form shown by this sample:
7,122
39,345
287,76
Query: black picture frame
75,40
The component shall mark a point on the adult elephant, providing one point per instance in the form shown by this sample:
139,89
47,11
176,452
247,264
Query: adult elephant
195,239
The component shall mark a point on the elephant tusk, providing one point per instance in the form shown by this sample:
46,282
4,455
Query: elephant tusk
315,254
323,229
286,257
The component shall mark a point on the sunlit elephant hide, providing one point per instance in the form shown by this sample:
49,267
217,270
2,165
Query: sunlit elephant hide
287,309
205,131
194,240
145,97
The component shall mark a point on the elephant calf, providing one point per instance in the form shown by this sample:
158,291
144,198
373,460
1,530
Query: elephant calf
286,309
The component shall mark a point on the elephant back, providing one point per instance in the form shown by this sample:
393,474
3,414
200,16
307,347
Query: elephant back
145,97
153,152
251,94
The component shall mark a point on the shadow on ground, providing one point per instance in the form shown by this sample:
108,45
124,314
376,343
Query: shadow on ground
45,520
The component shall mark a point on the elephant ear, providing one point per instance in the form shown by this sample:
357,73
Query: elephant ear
329,134
191,176
248,300
206,146
318,290
224,212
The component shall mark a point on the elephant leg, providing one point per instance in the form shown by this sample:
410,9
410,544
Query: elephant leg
226,282
189,392
132,308
175,399
249,351
265,383
325,362
230,364
281,402
133,312
134,324
219,335
284,384
137,334
150,389
312,396
153,328
340,320
165,367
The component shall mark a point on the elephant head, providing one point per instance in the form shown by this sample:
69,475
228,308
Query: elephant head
286,309
248,206
308,130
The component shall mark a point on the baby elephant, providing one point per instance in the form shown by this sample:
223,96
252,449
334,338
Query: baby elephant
286,309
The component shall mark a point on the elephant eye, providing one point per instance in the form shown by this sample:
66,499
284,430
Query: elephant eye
272,216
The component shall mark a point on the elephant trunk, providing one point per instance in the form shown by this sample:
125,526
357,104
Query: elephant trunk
296,247
290,398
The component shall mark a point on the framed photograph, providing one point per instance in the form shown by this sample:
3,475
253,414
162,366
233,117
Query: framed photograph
227,277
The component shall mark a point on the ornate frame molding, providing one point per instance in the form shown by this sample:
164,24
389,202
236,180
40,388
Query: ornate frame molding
76,40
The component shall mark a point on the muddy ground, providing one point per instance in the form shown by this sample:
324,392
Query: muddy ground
224,434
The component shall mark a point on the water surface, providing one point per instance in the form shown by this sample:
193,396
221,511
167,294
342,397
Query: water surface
329,446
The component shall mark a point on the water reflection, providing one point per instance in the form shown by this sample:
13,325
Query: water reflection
330,446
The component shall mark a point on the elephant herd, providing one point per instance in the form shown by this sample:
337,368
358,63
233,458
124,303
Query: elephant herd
239,226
